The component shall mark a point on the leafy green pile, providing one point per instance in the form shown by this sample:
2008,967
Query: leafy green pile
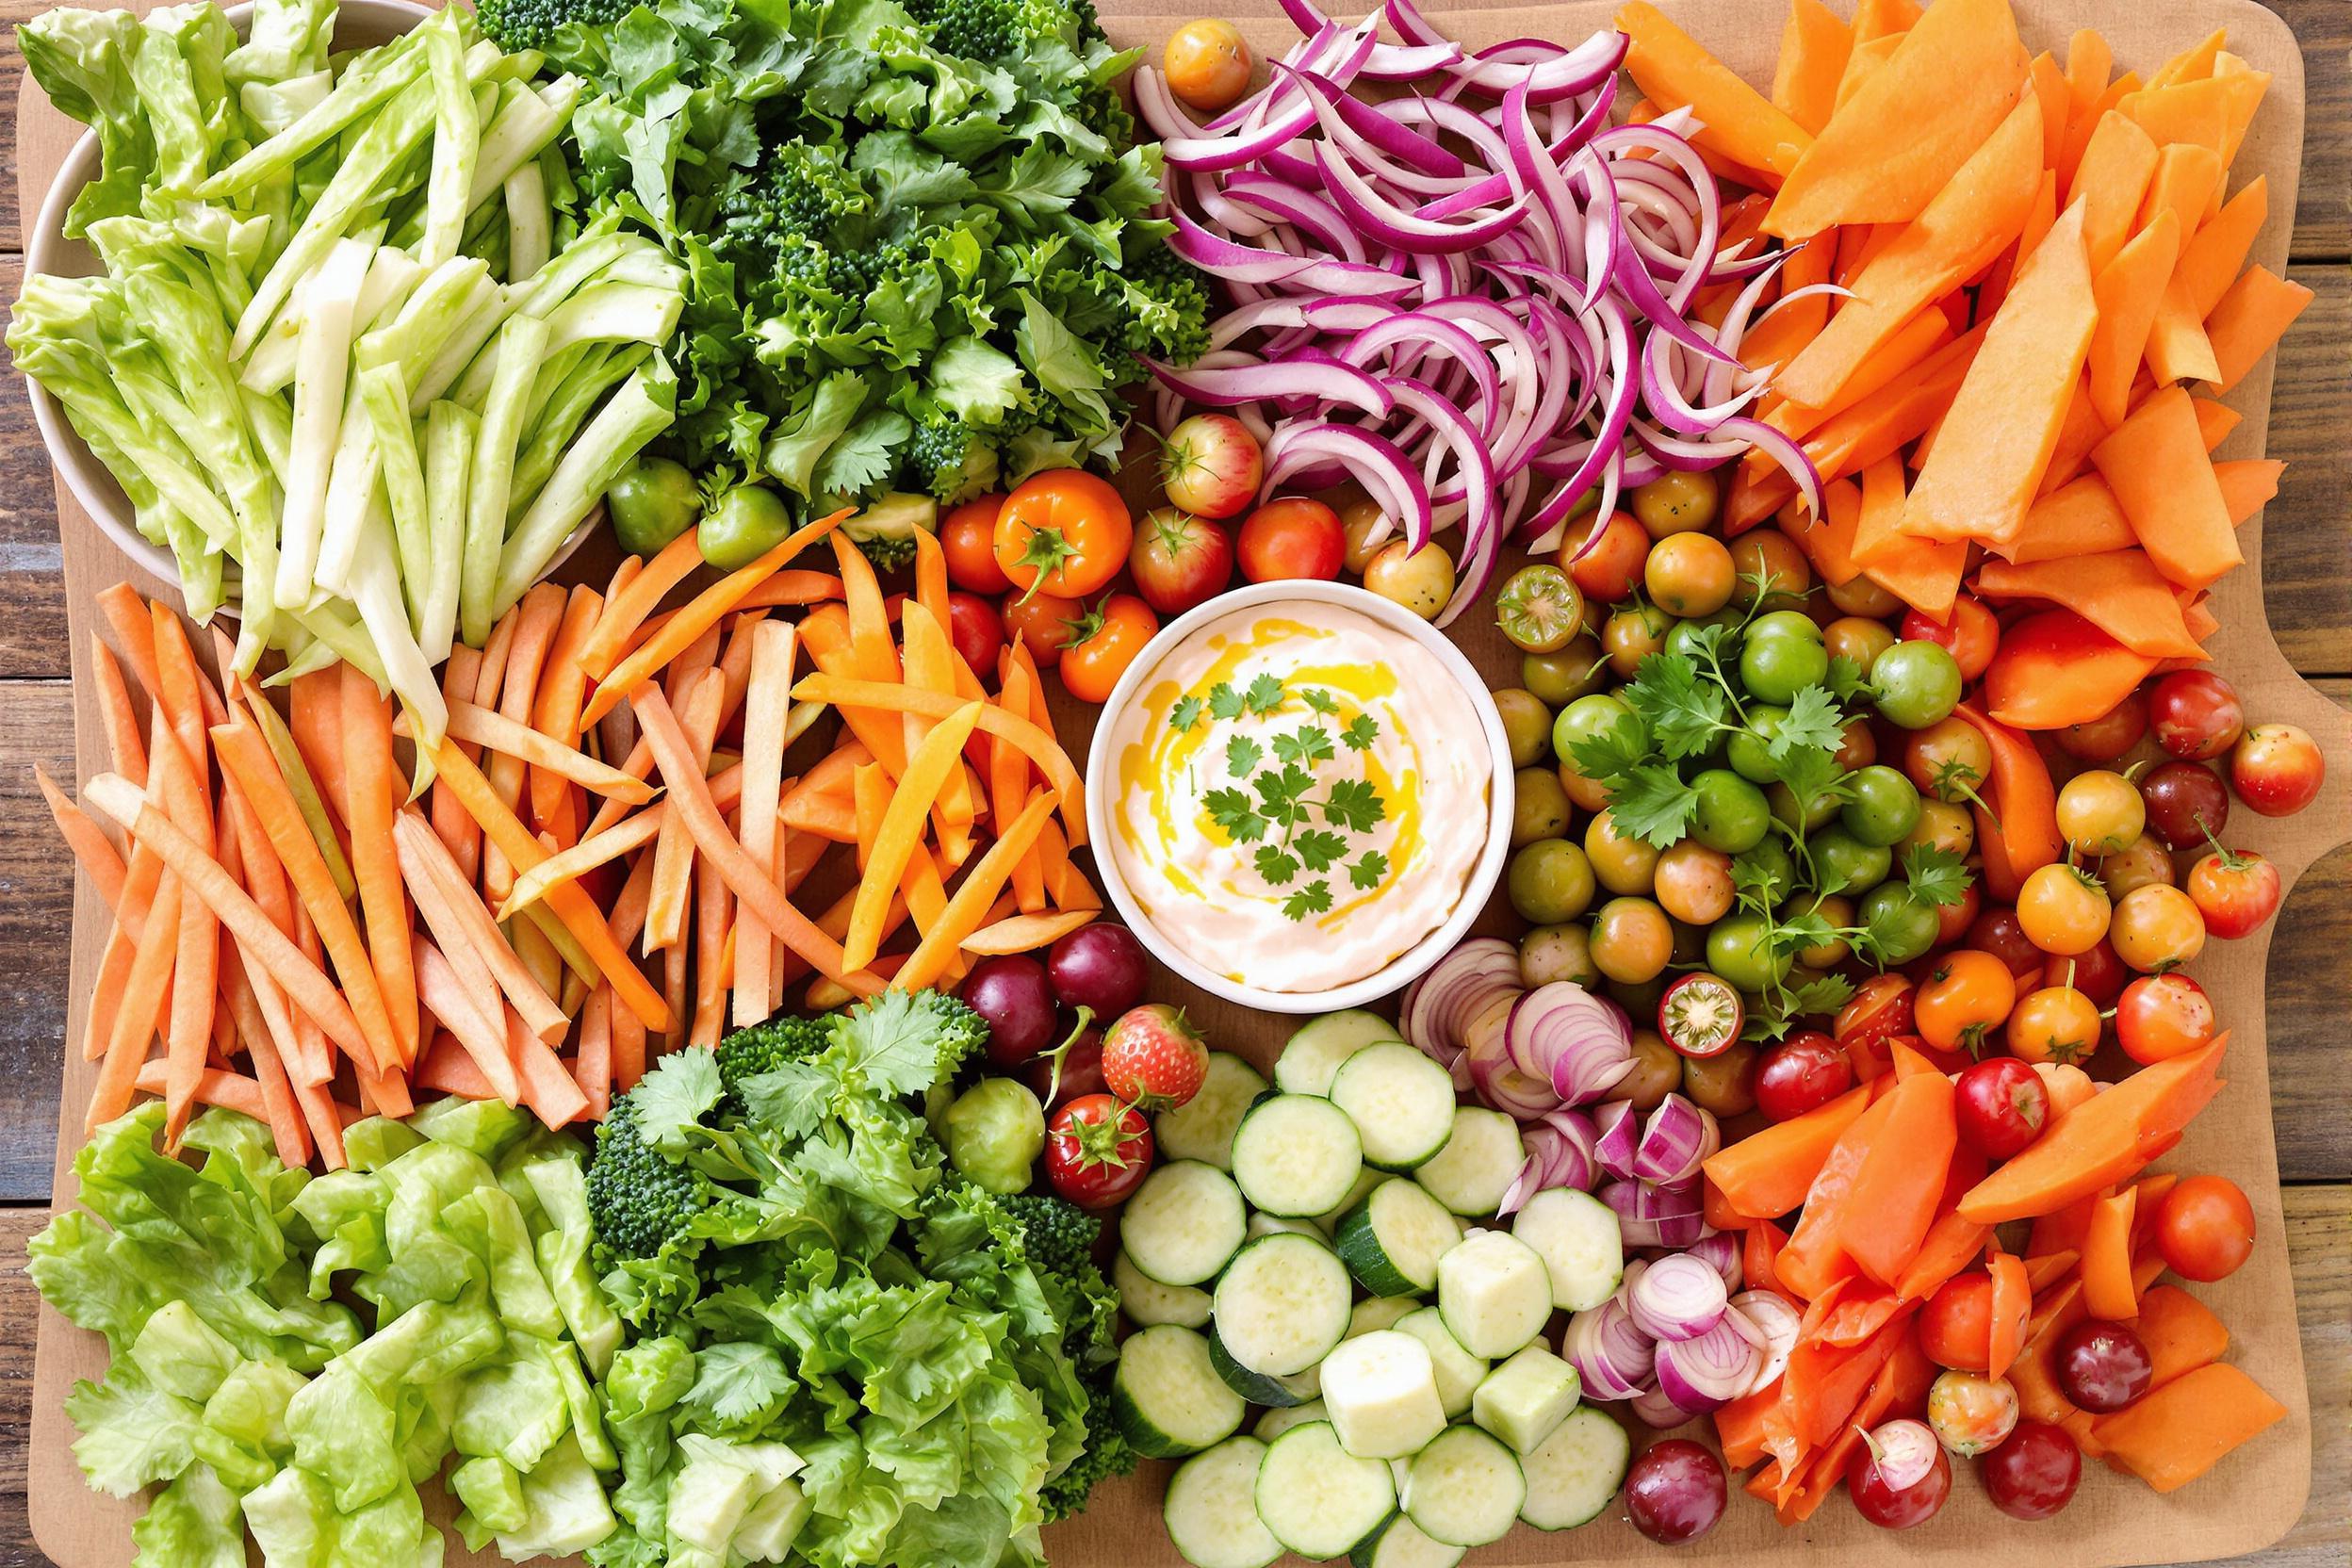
242,1382
1688,703
918,235
838,1344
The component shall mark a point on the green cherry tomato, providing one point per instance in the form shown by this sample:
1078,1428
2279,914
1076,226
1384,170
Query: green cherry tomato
1846,864
1917,682
1539,608
1770,862
652,502
1736,951
1747,751
1539,806
1807,815
1885,808
742,526
1784,623
1526,723
1584,719
1733,815
1776,664
1905,926
1550,882
1560,679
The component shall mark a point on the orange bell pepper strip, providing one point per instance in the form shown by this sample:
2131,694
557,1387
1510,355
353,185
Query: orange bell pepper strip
2013,1303
1898,1388
2156,464
2176,1433
1760,1254
2251,319
1819,1390
2181,1332
1674,70
2107,1259
1814,44
1768,1173
2043,1272
1949,1246
1740,1425
2053,669
2019,833
2107,1140
2061,1230
1886,1211
1814,1258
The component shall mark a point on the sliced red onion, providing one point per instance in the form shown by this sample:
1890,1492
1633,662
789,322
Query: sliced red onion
1231,386
1564,1031
1507,1090
1709,1370
1678,1136
1720,1251
1771,1315
1654,1407
1617,1136
1677,1297
1612,1356
1576,1166
1375,461
1437,1006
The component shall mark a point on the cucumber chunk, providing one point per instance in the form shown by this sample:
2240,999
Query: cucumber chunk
1147,1301
1482,1158
1577,1237
1317,1047
1401,1101
1203,1127
1392,1240
1297,1155
1281,1305
1319,1499
1167,1398
1183,1224
1381,1392
1495,1293
1464,1489
1211,1515
1574,1475
1524,1400
1459,1372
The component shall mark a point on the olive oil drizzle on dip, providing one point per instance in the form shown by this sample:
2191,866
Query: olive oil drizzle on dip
1303,795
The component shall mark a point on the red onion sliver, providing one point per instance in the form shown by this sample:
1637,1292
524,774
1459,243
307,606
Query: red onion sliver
1775,1318
1677,1297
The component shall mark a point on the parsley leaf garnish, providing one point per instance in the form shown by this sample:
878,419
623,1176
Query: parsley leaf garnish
1361,732
1650,802
1355,805
1370,868
1264,695
1615,751
1277,865
1224,702
1313,899
1184,714
1306,744
1812,719
1321,850
1937,876
1683,713
1242,755
1321,701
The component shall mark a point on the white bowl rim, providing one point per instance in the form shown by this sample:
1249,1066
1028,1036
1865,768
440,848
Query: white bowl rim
93,487
1485,873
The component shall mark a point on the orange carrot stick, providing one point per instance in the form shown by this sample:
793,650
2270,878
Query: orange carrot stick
766,714
314,714
2251,319
628,604
674,850
480,1030
371,786
124,742
547,1088
561,690
901,831
459,679
713,969
138,1009
969,908
547,757
459,922
1033,739
287,1129
592,1064
87,840
231,1091
1026,933
127,614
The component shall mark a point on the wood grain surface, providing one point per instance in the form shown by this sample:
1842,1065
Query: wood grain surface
2307,566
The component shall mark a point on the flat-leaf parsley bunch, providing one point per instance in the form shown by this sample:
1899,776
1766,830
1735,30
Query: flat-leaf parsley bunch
1279,809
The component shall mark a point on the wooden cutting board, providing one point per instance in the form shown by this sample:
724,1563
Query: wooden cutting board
2248,1503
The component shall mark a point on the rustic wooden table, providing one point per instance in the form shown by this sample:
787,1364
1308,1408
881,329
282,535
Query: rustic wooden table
2308,570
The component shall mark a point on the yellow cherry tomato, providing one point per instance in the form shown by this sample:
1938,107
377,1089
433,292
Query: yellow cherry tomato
2157,927
2063,909
2100,812
2056,1024
1207,64
1624,864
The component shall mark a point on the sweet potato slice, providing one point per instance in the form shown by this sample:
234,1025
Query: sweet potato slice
2155,462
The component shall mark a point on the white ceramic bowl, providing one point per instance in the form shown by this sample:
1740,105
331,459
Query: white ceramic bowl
358,25
1102,797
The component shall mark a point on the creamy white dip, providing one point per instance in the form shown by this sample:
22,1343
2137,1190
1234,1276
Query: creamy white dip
1194,757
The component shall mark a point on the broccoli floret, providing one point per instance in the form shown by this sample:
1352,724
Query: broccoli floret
1059,1235
976,29
1167,306
638,1201
1107,1455
949,461
764,1047
797,193
519,24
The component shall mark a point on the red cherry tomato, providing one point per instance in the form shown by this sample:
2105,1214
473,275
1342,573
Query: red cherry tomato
2106,738
968,538
1880,1009
2160,1016
2102,1366
1180,560
2205,1229
1293,537
1998,931
2276,769
1043,624
1953,920
1612,568
2235,890
1097,1151
2033,1475
977,630
2195,714
1970,634
2001,1106
1956,1325
2096,972
1803,1072
2186,803
1899,1477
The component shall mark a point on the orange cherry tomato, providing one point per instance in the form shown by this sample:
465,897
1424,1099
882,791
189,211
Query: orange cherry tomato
1043,622
1956,1325
1970,635
2205,1229
1882,1009
1066,532
1104,645
2064,910
1964,998
1207,64
968,537
2056,1024
2160,1016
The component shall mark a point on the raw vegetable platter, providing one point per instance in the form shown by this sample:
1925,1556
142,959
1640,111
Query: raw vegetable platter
2261,1491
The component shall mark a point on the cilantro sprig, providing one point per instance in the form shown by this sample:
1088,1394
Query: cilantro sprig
1272,800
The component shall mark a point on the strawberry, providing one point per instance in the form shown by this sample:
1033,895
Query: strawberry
1153,1056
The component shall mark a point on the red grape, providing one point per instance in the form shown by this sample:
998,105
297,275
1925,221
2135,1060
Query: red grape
2034,1473
1675,1492
1012,996
2102,1366
1998,931
1100,965
2108,737
2186,802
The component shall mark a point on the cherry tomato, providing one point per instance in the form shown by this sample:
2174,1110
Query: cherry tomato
2002,1106
1631,940
1207,64
1365,524
1948,761
2186,803
1860,641
1632,634
2205,1229
977,630
2276,769
2235,890
1180,560
1692,883
1608,571
2195,714
2160,1016
2156,928
1945,826
1880,1010
1098,1150
1964,998
1971,635
1956,1325
1110,638
1802,1073
1539,608
2144,861
968,538
1064,533
2033,1475
2099,812
1042,623
1771,556
2095,972
1676,503
2056,1024
1210,465
1970,1412
2102,1367
1293,537
2108,737
1998,931
1857,596
1420,579
1689,574
2064,908
1899,1477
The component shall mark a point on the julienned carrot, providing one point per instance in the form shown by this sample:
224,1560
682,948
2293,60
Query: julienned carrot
536,620
124,742
701,614
459,921
1033,739
569,865
446,1068
195,971
310,804
674,850
2129,290
138,1009
1813,48
766,714
372,785
308,1061
480,1030
88,840
790,588
713,912
547,1089
2249,321
563,687
494,731
313,719
592,1064
969,908
1009,783
690,796
1026,933
2155,462
280,1110
568,903
629,603
901,831
2118,163
232,1091
459,677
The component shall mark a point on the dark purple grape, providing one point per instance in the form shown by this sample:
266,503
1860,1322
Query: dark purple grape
1082,1072
1011,994
1099,966
2103,1366
1675,1492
